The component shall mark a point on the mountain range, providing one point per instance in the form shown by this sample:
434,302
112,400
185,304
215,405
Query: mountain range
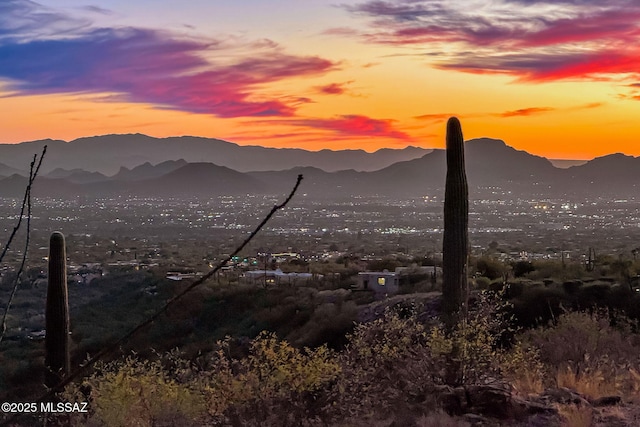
108,153
493,169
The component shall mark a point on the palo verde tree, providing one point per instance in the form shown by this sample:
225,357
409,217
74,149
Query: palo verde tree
57,358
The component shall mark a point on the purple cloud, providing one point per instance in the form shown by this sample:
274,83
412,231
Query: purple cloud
149,66
97,9
333,88
22,20
534,40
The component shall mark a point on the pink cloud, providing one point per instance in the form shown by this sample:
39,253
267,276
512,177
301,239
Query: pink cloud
618,25
567,39
357,125
333,88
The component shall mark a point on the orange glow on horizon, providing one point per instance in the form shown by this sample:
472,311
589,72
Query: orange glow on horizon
561,133
361,79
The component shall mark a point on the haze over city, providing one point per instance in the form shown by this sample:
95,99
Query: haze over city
555,78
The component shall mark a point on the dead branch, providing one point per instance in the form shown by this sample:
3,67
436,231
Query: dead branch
27,199
117,344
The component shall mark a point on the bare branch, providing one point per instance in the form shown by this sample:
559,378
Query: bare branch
114,346
27,197
32,176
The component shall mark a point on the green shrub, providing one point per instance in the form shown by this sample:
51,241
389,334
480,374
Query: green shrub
329,323
272,386
395,360
137,392
490,267
520,268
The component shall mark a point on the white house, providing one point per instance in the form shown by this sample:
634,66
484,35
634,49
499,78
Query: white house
277,277
380,282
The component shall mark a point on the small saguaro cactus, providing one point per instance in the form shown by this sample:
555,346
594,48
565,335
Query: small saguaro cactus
57,360
455,288
591,260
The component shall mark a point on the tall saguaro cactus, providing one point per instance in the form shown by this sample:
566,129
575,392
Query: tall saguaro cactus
57,359
455,288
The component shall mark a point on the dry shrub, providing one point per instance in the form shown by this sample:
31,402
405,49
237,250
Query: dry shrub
579,337
576,415
482,341
440,419
275,385
365,422
394,363
385,364
435,419
522,368
634,385
591,382
584,352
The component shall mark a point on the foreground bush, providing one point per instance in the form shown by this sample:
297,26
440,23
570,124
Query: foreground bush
137,392
391,366
584,352
275,385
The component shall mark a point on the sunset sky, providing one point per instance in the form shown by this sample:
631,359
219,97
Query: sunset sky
557,78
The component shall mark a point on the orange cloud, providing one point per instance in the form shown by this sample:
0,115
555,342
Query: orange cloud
525,111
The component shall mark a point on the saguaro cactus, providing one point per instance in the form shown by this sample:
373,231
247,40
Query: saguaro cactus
455,288
591,260
57,359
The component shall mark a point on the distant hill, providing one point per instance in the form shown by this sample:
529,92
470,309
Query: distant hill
77,176
564,163
108,153
8,170
491,161
493,169
14,186
615,173
490,164
147,170
200,179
